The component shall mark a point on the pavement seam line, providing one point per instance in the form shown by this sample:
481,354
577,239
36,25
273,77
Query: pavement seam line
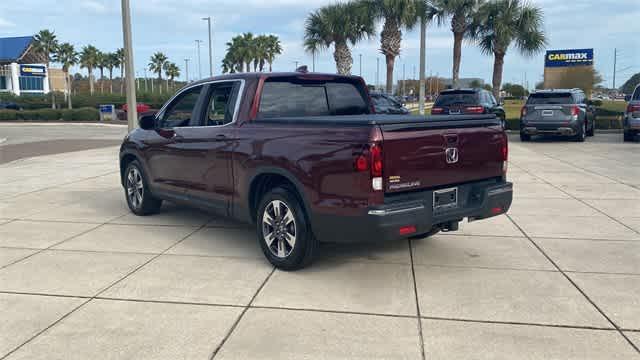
244,311
415,293
576,286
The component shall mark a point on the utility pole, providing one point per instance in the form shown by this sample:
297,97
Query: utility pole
208,18
615,63
146,87
360,65
377,73
313,55
296,69
423,63
199,64
186,69
132,109
404,81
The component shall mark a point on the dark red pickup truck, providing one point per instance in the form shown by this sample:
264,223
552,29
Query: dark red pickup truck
303,157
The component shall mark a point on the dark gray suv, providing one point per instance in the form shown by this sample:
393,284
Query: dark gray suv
632,116
557,112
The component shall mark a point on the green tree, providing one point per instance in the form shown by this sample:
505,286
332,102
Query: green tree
515,90
89,59
499,24
171,70
274,48
111,62
45,43
338,25
630,85
120,55
396,15
66,56
461,13
157,63
475,83
101,65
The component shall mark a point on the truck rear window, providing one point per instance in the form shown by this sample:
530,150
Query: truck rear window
456,98
550,98
299,97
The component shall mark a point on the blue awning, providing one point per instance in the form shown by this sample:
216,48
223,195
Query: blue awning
12,48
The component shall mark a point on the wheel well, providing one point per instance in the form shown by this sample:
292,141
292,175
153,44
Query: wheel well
124,162
264,183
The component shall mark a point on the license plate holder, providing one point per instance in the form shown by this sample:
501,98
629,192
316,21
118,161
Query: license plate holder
547,112
445,199
455,111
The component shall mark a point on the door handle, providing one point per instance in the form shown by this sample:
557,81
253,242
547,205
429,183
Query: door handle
220,137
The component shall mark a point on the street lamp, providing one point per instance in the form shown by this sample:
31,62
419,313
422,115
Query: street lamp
132,111
208,18
199,65
186,69
360,65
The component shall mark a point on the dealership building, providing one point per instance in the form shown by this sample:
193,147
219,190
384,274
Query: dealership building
23,70
559,64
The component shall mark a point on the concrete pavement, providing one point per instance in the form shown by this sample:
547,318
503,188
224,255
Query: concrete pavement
81,277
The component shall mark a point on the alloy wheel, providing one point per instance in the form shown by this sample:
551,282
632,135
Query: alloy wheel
135,187
279,228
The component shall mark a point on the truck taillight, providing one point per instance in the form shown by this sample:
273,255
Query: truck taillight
436,110
505,154
473,110
376,167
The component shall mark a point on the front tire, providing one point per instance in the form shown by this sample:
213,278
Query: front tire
582,133
136,190
628,136
283,231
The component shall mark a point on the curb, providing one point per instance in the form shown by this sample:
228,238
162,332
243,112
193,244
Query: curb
60,123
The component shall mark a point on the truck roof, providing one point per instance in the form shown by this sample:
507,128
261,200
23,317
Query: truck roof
257,75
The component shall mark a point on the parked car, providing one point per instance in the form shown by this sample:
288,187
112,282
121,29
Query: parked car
468,101
302,157
632,116
9,106
558,112
141,107
385,104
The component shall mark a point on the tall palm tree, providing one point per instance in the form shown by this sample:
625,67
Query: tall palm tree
101,65
338,25
67,56
273,48
260,55
462,13
120,55
172,71
45,43
397,15
501,23
89,59
157,62
111,61
249,49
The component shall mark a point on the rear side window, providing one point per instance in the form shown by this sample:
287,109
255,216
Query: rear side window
456,98
636,94
550,98
291,98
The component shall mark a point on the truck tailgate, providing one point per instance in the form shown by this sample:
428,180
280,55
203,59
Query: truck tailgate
418,156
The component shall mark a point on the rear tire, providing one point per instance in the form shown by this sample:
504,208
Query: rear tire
628,136
136,190
525,137
582,133
284,233
592,130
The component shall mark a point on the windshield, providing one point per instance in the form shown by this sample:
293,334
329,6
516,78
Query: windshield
456,99
550,99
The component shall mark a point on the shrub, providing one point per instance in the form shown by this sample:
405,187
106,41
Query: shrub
85,114
82,114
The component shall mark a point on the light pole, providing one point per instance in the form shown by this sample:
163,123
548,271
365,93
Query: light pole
199,65
132,111
296,69
360,65
377,73
423,63
186,69
404,81
208,18
313,54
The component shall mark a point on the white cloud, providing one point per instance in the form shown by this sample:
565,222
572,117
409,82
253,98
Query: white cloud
6,23
93,6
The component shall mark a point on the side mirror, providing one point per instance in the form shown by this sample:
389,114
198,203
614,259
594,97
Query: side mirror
147,122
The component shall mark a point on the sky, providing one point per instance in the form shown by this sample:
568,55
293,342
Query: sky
173,26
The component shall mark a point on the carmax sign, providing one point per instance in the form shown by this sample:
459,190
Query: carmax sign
573,57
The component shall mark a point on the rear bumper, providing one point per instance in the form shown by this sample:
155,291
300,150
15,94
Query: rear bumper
570,129
632,123
476,201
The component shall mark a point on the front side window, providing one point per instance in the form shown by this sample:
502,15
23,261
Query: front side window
181,110
221,104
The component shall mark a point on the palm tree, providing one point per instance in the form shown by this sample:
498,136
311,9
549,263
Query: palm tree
273,48
500,23
249,49
101,64
111,61
338,25
172,71
260,54
157,63
67,56
45,43
120,55
462,13
396,14
89,59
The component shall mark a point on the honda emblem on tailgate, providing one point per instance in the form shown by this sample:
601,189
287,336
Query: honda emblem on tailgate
452,155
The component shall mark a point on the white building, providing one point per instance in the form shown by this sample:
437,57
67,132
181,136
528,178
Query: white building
22,70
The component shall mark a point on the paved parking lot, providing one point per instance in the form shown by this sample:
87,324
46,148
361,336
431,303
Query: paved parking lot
559,277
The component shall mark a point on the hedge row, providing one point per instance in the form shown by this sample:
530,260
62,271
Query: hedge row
80,114
34,101
603,123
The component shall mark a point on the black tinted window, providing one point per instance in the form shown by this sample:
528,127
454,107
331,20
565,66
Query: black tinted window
312,98
459,98
636,94
550,98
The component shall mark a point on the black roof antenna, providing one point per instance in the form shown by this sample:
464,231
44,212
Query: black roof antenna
303,69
